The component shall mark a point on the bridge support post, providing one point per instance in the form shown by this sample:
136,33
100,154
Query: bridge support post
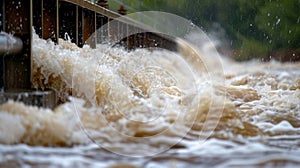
18,20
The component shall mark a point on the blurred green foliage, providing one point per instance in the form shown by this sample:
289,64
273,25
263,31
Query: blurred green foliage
253,28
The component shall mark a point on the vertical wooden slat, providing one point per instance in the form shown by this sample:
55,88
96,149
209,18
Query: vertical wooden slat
89,27
77,23
49,18
1,58
1,15
80,26
38,17
95,29
113,31
101,34
67,20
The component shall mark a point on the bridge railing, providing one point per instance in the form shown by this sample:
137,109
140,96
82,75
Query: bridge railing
53,19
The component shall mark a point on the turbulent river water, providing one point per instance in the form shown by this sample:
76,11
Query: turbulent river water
146,108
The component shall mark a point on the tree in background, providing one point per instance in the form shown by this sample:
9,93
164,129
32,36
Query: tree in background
280,21
254,29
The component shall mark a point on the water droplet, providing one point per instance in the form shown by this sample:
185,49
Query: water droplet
290,31
251,24
268,14
278,21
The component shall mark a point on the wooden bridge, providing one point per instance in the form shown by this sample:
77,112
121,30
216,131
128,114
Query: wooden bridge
51,19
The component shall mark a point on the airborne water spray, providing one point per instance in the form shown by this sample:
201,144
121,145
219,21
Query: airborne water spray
187,67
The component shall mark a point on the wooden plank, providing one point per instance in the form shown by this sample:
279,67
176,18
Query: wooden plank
67,21
89,27
80,41
38,17
101,34
49,18
1,59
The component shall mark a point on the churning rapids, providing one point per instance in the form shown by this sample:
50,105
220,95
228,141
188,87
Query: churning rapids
145,102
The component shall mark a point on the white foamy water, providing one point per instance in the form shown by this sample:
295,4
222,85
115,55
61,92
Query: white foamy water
147,102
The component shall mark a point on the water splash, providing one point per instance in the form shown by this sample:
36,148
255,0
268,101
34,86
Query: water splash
261,109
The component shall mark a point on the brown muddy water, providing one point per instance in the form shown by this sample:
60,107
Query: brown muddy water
150,109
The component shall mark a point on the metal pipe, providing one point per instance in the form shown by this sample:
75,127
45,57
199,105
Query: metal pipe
9,45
